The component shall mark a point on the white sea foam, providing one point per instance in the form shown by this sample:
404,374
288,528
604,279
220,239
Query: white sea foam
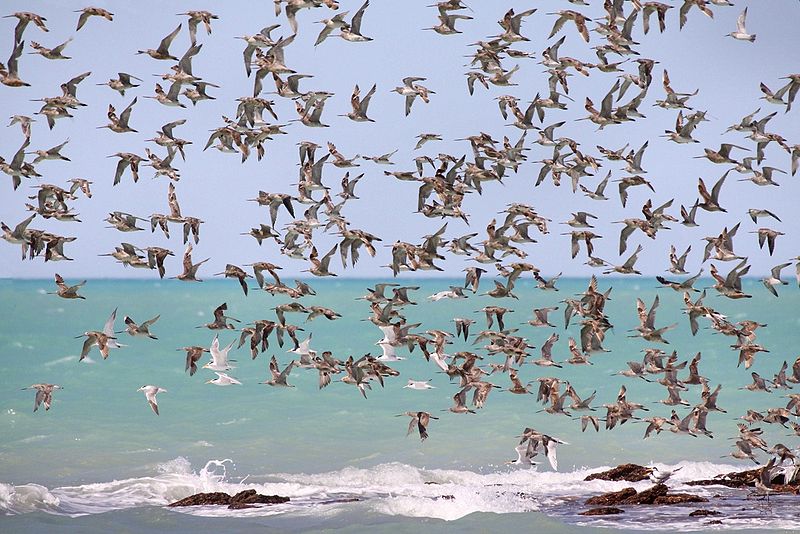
60,361
393,489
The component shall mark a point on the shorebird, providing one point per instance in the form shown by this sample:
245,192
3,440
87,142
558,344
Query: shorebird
411,90
119,124
23,18
193,355
51,53
220,319
628,266
50,154
319,267
741,32
774,279
150,393
462,327
548,443
710,200
142,330
104,340
759,383
232,271
426,137
764,481
586,420
460,402
756,214
65,291
547,356
419,385
419,421
567,15
540,315
44,394
195,18
169,98
447,23
10,77
162,52
337,22
223,380
359,105
352,32
93,12
189,273
279,377
683,286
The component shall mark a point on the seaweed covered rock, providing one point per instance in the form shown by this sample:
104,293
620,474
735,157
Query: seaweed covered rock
679,498
251,497
658,494
747,479
614,497
603,510
626,472
203,499
648,496
243,499
704,513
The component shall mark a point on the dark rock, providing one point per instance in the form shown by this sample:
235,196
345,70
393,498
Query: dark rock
603,510
740,479
679,498
626,472
704,513
648,496
202,499
446,497
251,497
614,497
745,479
342,500
239,506
243,499
714,522
657,494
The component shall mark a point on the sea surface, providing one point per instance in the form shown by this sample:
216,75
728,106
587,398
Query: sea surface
100,460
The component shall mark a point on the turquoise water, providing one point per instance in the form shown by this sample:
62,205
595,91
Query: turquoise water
322,446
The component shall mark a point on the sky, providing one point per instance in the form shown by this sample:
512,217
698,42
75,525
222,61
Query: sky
215,186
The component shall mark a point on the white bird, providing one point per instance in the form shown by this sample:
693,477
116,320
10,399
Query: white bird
389,354
419,384
453,293
525,452
219,357
660,476
439,359
741,32
223,380
306,353
150,393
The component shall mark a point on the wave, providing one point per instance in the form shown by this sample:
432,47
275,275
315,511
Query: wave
392,489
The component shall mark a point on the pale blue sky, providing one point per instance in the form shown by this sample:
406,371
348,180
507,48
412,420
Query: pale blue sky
214,186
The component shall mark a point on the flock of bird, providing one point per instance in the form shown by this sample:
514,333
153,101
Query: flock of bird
443,182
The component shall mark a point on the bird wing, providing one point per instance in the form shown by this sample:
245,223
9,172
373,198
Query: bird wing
163,47
108,328
355,24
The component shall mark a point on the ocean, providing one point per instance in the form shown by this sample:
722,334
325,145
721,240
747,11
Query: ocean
101,460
